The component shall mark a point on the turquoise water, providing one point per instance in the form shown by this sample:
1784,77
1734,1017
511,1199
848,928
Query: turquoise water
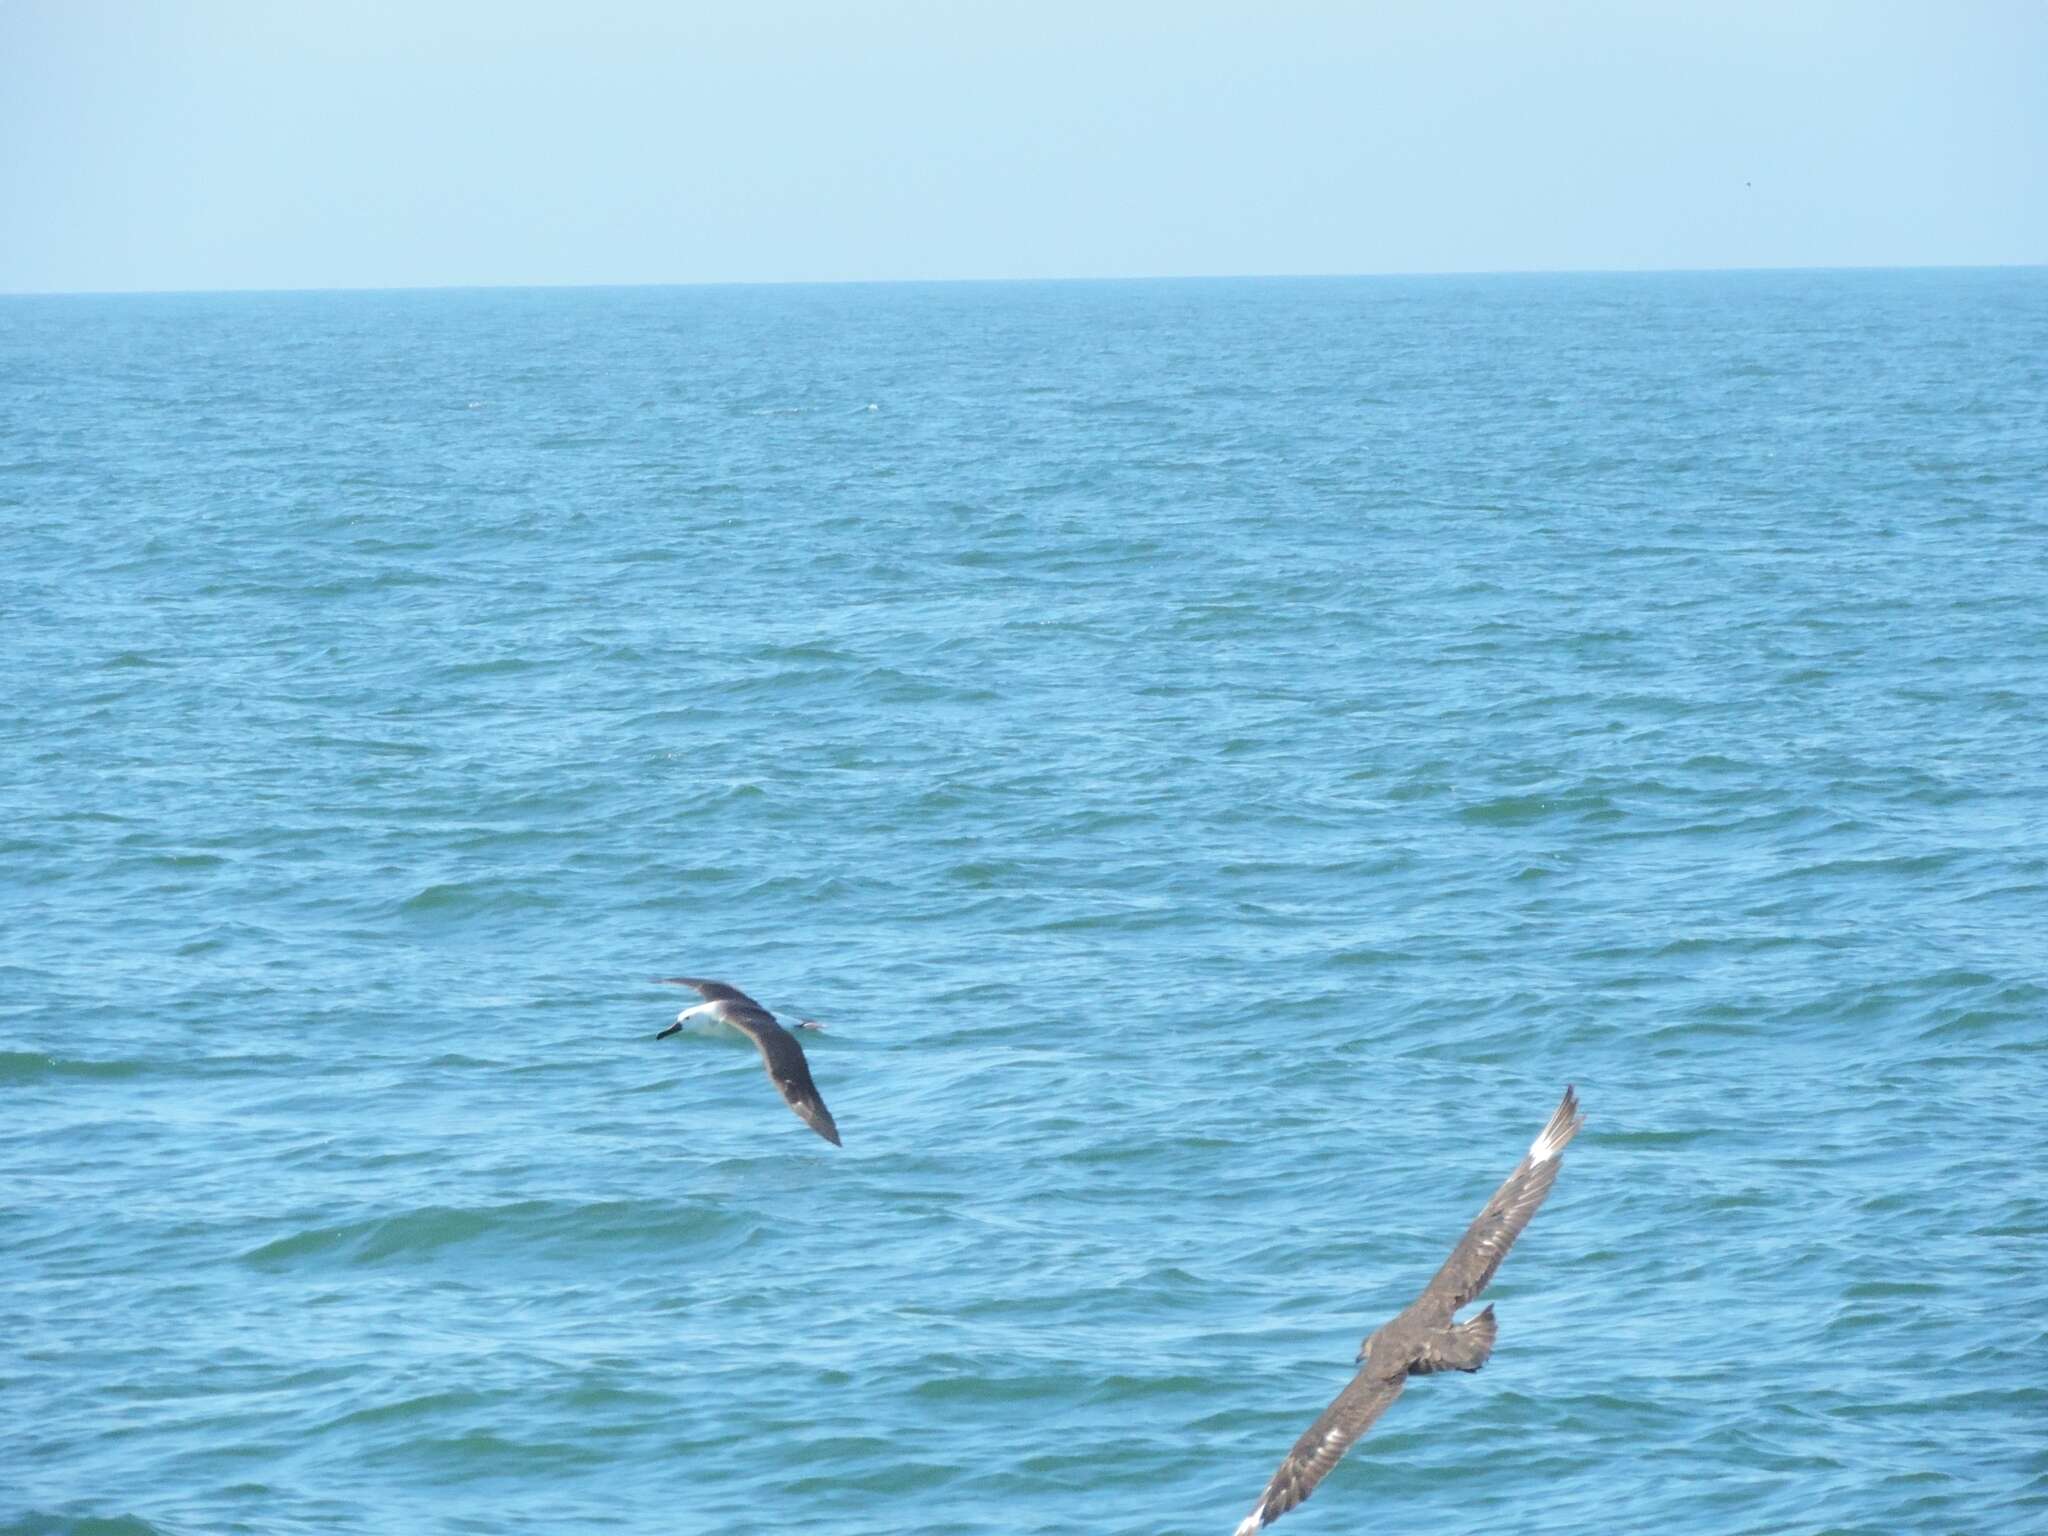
1221,757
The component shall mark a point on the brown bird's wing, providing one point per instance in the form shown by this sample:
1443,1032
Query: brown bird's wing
1350,1416
787,1068
710,991
1486,1242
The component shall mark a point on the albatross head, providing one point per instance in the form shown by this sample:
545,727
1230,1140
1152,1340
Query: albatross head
706,1011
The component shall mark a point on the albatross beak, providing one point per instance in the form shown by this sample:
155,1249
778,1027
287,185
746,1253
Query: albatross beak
669,1031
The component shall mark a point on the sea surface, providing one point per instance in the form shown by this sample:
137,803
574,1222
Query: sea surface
1220,757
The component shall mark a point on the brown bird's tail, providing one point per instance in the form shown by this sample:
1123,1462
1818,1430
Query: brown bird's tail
1460,1347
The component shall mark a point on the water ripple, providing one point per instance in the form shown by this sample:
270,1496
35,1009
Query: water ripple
1221,756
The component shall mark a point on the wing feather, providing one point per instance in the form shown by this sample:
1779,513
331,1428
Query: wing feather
787,1068
1323,1446
1486,1242
710,991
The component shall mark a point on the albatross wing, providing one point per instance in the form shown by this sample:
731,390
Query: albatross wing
787,1068
710,991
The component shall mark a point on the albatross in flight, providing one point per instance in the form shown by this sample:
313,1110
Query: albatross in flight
780,1053
1423,1338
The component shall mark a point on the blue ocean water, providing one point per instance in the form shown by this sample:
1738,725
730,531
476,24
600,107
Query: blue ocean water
1220,756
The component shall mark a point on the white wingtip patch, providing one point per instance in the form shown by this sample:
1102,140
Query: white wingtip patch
1249,1526
1563,1126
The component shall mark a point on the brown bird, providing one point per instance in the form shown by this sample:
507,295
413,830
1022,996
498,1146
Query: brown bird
780,1053
1423,1338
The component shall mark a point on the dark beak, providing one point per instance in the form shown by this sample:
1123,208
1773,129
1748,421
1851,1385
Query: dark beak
669,1031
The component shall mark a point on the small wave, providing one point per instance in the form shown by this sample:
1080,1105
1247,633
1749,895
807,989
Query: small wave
187,860
1655,1141
808,650
403,576
369,744
986,872
1366,956
32,1066
978,1385
1903,864
483,1453
550,1225
1878,1290
499,666
1522,810
1143,921
425,1405
465,896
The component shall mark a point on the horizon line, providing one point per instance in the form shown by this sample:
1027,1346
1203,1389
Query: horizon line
928,282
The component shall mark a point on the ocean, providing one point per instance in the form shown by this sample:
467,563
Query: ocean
1220,757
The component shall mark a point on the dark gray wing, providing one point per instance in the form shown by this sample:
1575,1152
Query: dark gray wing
787,1068
710,991
1350,1416
1486,1242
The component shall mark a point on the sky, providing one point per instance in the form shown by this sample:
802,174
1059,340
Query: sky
238,144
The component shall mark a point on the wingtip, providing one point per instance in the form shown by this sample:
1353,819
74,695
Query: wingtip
1249,1525
1563,1125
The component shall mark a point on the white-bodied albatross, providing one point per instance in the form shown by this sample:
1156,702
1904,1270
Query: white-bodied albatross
1423,1338
780,1053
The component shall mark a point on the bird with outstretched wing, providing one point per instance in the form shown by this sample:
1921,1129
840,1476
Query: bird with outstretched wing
1424,1339
780,1053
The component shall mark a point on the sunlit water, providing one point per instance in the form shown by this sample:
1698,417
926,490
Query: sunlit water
1221,757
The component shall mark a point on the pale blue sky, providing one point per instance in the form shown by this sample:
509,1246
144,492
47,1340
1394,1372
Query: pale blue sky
236,144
